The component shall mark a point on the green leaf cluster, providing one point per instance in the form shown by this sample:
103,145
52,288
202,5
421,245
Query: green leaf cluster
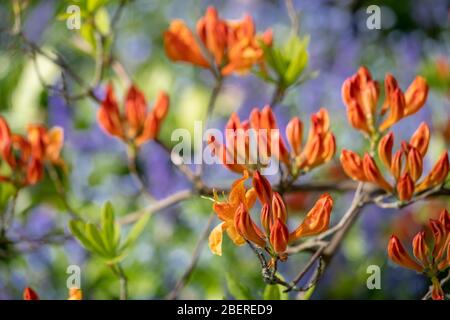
106,240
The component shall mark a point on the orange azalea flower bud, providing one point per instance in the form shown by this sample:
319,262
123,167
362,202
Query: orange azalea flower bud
444,219
397,107
437,175
352,165
30,294
279,236
75,294
356,117
416,95
108,115
437,293
369,99
262,187
213,33
278,207
180,45
266,217
397,164
414,163
135,110
421,138
390,85
398,254
420,248
405,187
440,238
373,174
316,220
152,122
294,134
247,228
385,149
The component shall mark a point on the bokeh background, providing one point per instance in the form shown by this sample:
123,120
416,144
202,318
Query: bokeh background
414,39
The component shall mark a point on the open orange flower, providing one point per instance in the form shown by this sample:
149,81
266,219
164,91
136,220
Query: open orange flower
275,238
136,125
430,260
233,46
405,165
261,129
361,94
239,198
26,155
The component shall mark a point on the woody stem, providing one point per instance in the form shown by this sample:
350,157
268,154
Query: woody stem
132,157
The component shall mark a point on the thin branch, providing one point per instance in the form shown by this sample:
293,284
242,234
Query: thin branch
132,160
194,260
157,206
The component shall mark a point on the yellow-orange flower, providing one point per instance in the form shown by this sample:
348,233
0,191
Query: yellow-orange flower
233,46
136,125
430,260
405,165
26,155
226,211
361,94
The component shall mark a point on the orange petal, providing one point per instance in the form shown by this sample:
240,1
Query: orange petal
316,220
135,109
262,187
30,294
215,239
373,174
247,228
396,107
75,294
398,254
279,236
420,248
437,175
421,138
416,95
294,134
414,163
385,149
352,165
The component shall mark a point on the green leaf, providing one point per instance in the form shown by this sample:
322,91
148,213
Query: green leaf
93,235
237,289
135,231
88,34
102,22
274,292
297,55
77,228
94,5
108,227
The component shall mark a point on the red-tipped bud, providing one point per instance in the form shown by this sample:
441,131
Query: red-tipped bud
420,248
262,187
294,134
279,236
405,187
421,138
278,207
247,228
373,174
30,294
385,149
352,165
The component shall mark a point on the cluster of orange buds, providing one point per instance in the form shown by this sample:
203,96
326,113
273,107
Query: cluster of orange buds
261,129
136,125
430,260
405,165
233,46
360,95
274,235
30,294
27,155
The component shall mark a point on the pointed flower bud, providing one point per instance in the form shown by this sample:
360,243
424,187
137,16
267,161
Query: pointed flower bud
398,254
416,95
421,138
405,187
437,175
316,220
278,207
420,248
414,163
373,174
30,294
294,134
385,149
247,228
279,236
352,165
262,187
